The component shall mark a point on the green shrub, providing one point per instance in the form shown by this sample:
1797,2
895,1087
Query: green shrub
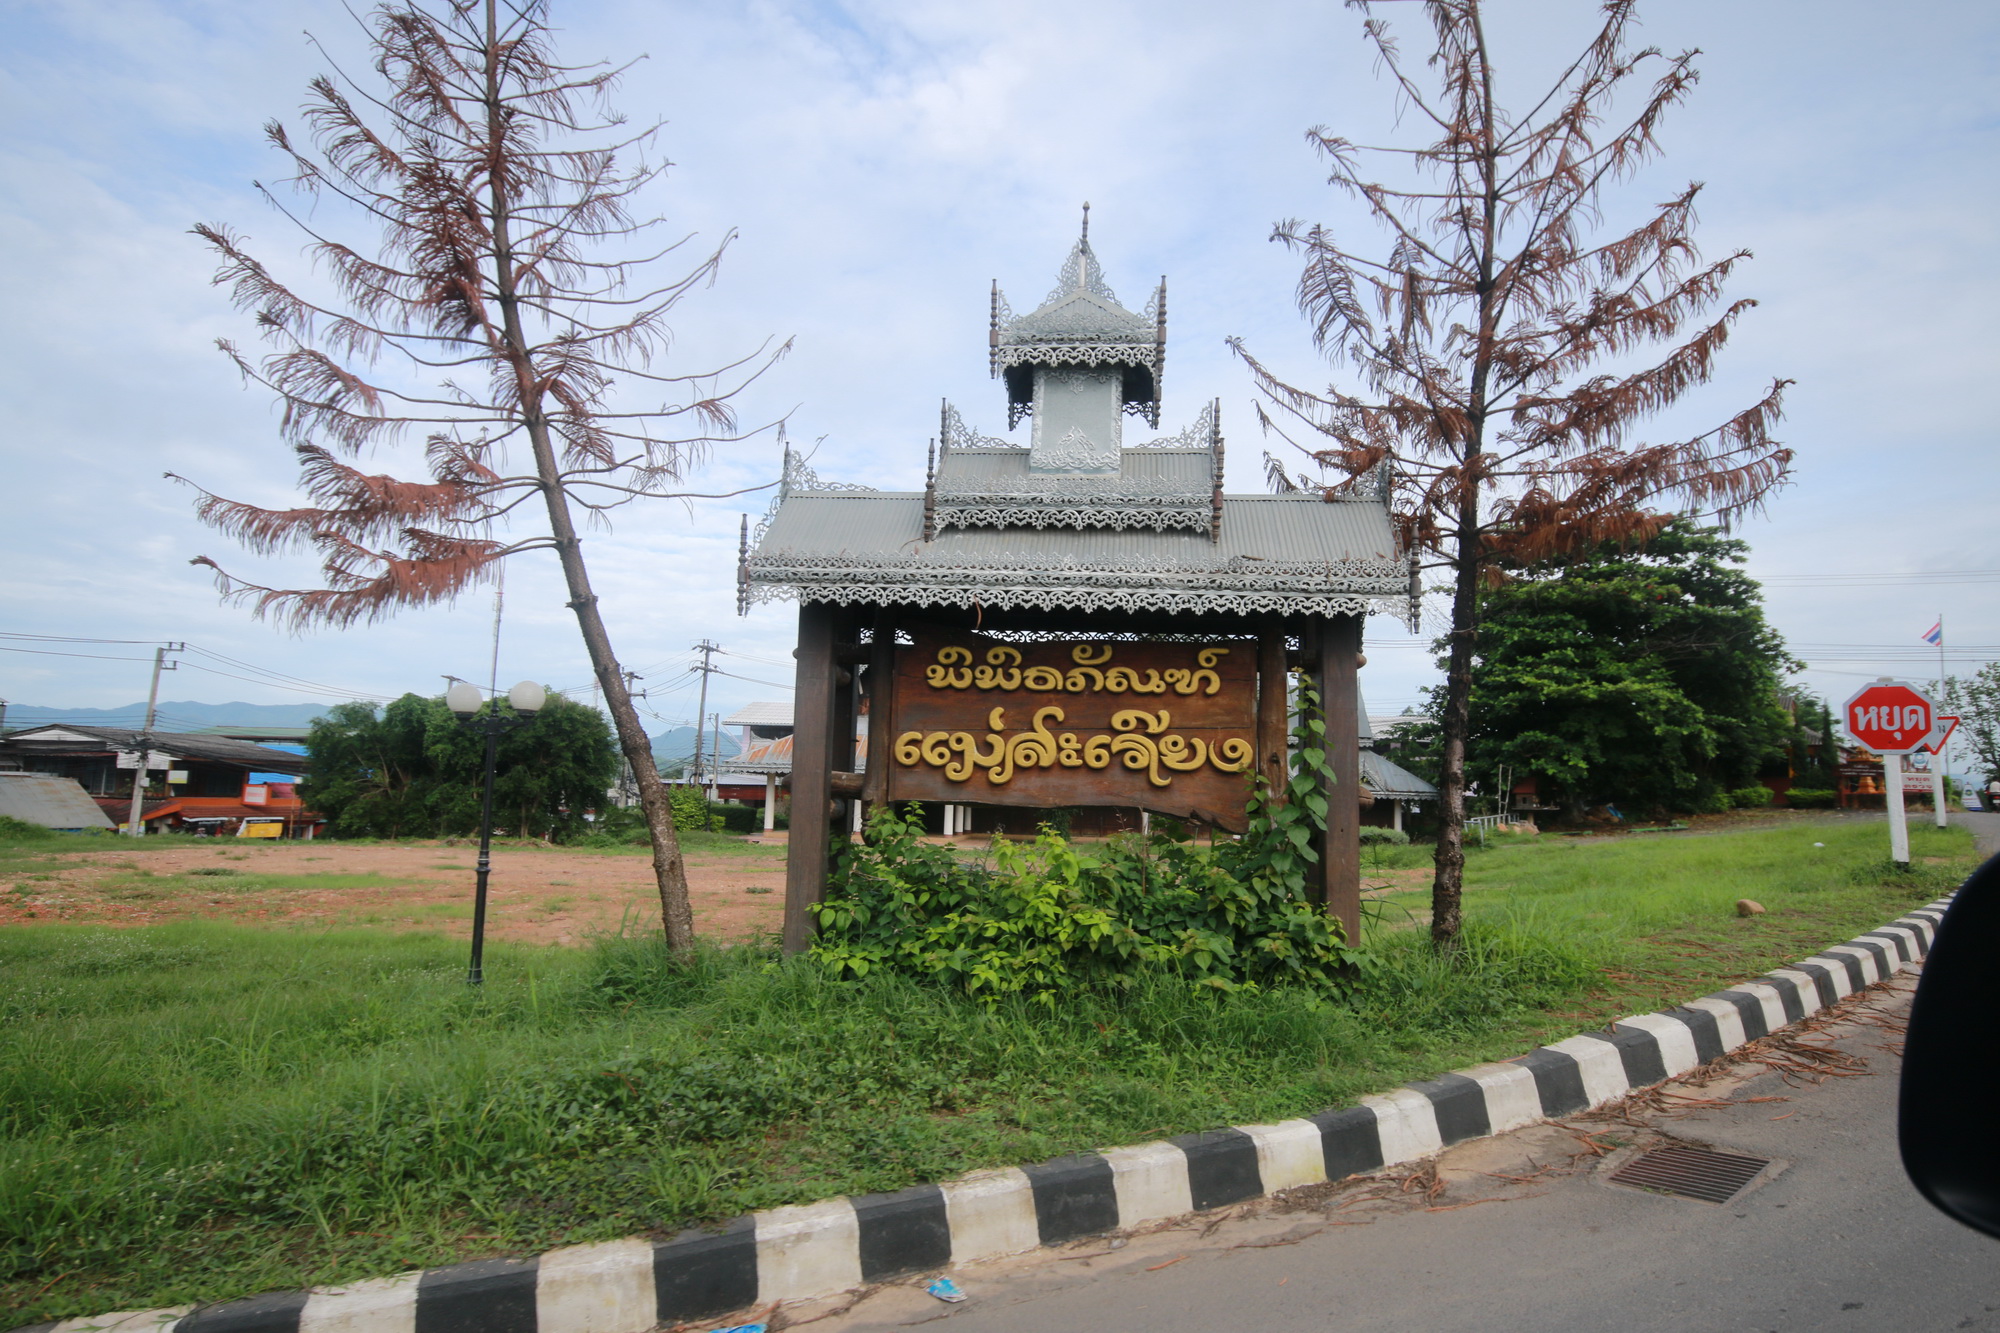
1809,798
739,818
691,810
20,830
1043,922
1713,801
1392,837
1750,798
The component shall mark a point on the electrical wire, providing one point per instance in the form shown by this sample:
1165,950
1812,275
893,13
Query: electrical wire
296,681
753,680
64,638
96,657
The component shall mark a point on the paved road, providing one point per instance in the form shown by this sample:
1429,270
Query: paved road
1836,1240
1985,830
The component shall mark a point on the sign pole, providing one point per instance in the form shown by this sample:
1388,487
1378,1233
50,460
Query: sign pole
1942,769
1899,829
1892,719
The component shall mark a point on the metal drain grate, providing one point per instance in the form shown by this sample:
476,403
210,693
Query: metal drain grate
1694,1173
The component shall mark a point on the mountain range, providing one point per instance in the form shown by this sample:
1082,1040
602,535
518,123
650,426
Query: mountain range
669,747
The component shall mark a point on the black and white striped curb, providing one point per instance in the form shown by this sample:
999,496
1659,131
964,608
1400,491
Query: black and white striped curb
796,1253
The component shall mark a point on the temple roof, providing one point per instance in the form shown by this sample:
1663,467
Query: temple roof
1075,518
1081,323
1081,309
1282,554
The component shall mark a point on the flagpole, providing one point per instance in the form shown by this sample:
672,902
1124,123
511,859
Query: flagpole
1939,787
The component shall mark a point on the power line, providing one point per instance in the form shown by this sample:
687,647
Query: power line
282,676
96,657
752,679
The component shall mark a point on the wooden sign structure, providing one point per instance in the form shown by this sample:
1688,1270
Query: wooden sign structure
1073,621
1166,727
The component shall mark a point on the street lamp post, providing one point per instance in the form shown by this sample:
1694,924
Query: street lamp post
464,700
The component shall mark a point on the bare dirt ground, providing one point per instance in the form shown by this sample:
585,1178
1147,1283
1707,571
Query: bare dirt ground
544,895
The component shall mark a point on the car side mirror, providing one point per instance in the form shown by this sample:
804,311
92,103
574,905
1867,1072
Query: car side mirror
1951,1061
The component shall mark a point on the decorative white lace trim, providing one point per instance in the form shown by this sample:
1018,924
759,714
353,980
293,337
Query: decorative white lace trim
1081,273
1041,581
1094,353
958,435
799,477
1156,517
1087,599
1201,435
1058,487
1075,452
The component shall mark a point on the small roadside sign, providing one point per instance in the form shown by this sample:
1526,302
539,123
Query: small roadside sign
1890,718
1893,719
154,759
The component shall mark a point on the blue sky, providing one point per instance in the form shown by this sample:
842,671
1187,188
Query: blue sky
881,164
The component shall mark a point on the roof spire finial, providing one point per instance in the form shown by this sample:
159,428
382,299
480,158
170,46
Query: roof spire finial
1086,222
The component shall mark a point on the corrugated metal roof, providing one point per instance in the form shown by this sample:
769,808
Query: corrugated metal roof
1281,529
970,469
52,802
1277,554
772,713
70,738
1385,778
770,757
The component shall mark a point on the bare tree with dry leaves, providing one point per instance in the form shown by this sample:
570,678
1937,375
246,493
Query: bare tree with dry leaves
484,317
1496,347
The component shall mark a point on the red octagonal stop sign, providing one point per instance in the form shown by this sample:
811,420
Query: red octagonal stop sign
1891,719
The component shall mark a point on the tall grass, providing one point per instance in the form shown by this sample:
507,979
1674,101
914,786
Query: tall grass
197,1110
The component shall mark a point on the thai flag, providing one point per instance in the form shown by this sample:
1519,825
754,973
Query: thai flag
1934,636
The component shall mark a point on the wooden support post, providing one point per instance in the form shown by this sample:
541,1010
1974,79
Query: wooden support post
881,705
847,755
812,772
1336,661
1274,692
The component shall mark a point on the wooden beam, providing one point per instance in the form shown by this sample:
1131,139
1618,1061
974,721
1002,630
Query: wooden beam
812,768
881,684
1274,689
1338,653
846,702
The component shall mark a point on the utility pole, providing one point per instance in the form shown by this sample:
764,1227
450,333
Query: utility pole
136,822
628,782
1941,770
708,651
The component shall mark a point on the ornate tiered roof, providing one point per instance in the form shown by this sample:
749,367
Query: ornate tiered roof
1073,517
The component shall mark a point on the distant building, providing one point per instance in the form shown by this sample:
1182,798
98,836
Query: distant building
50,801
210,784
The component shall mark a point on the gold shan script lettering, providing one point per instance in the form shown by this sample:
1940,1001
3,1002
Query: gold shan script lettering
1142,744
1002,670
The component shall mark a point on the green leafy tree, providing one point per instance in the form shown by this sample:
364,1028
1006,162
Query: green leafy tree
547,773
1647,677
1977,703
412,771
1815,744
372,774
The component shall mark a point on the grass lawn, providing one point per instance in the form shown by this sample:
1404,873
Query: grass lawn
201,1110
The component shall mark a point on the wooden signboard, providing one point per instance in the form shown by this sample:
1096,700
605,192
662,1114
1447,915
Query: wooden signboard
1168,727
